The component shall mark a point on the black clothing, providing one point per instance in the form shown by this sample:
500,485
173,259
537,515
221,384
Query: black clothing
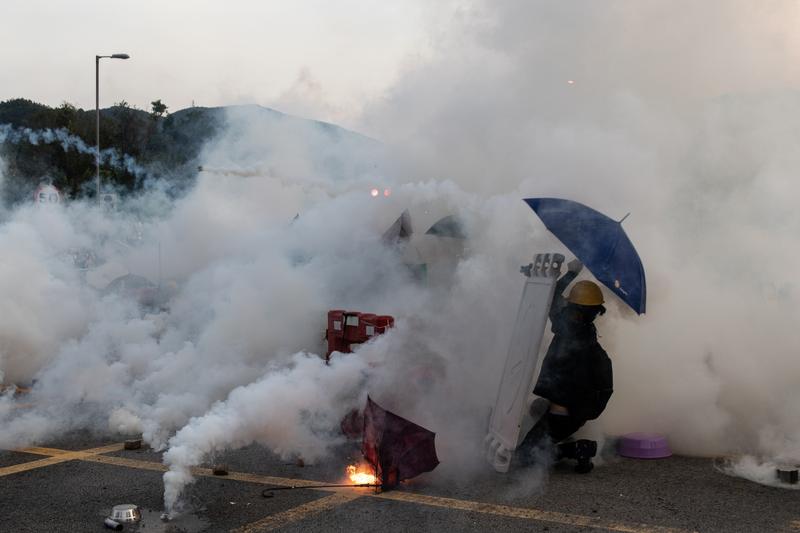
558,427
576,371
539,443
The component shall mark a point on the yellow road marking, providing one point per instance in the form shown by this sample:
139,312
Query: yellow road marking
106,449
266,524
524,512
32,465
50,452
53,452
130,463
263,480
55,457
300,512
409,497
338,497
203,472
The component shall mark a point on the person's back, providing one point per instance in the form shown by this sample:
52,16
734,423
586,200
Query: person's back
576,371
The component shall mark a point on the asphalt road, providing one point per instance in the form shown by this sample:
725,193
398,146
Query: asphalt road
72,483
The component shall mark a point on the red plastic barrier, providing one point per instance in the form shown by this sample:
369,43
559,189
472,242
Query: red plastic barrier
349,328
367,327
382,323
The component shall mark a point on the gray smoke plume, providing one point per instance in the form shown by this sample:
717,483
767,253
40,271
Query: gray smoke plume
293,409
109,157
681,113
659,120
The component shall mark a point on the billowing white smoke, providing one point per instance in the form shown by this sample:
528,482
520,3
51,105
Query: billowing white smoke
656,122
294,410
41,301
764,471
418,369
108,157
2,187
683,114
253,287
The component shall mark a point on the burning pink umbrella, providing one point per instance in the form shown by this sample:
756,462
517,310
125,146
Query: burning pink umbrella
396,448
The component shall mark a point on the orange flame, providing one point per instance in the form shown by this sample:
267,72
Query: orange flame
360,478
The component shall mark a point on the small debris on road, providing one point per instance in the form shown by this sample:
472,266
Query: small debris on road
133,444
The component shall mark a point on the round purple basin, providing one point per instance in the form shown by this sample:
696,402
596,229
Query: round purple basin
644,446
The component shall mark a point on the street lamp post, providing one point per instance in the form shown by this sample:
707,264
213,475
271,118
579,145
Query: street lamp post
97,110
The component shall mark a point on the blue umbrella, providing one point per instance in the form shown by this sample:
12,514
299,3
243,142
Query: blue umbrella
600,243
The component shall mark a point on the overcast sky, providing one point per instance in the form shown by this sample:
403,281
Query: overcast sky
334,59
306,56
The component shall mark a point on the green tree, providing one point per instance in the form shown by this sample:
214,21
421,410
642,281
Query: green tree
159,108
65,116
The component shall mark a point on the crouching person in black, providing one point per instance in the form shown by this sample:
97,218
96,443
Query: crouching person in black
575,382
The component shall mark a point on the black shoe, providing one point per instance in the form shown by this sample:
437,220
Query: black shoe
584,466
566,450
585,449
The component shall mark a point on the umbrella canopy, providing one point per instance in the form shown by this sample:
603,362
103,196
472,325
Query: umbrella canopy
448,226
129,282
600,243
400,230
396,448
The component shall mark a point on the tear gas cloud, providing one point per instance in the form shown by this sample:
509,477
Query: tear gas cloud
253,288
109,156
660,121
681,113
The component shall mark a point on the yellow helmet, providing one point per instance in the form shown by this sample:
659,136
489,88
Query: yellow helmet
585,293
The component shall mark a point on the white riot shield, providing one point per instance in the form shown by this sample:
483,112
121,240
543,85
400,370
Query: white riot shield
511,418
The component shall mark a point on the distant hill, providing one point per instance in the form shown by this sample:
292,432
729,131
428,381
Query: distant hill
166,148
